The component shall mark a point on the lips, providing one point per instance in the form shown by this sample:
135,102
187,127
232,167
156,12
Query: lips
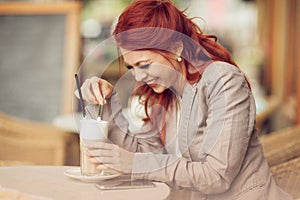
152,83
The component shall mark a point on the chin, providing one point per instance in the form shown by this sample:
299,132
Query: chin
159,89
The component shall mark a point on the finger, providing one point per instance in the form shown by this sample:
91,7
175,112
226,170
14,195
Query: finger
76,93
105,88
87,92
104,100
103,160
103,167
99,153
109,167
98,145
97,92
109,89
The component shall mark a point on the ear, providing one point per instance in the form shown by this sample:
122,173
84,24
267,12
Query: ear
177,48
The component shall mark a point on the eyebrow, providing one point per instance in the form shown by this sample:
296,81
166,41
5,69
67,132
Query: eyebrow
138,63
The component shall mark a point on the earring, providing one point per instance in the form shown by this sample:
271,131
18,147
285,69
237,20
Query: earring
179,59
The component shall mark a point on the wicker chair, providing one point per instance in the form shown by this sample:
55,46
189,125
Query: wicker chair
282,151
25,142
287,176
282,146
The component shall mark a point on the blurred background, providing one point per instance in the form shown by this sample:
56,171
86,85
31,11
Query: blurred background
44,43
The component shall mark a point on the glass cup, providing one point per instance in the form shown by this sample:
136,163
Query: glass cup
91,130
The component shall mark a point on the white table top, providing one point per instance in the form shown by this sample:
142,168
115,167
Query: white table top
50,182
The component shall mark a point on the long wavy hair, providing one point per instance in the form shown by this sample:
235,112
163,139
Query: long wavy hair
156,25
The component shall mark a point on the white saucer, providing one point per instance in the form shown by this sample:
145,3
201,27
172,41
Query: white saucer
76,174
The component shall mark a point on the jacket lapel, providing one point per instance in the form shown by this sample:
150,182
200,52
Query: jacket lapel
188,99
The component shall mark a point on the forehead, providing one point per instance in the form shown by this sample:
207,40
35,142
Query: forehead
137,56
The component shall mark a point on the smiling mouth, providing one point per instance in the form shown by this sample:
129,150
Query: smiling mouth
152,83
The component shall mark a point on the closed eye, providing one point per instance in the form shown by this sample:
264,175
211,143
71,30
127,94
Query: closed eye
144,66
141,67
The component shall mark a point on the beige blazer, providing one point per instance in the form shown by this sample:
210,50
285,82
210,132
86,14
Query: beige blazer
220,156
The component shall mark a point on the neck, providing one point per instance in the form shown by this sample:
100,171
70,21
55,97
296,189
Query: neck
179,85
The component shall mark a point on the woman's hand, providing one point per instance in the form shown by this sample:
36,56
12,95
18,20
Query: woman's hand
110,156
95,90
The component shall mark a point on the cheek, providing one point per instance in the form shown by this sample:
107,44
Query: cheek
170,74
164,71
167,78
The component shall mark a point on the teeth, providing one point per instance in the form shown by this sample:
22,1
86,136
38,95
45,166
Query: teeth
150,82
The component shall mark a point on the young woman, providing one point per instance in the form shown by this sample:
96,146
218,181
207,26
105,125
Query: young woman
199,132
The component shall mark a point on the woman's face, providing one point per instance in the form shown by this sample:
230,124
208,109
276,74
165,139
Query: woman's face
152,69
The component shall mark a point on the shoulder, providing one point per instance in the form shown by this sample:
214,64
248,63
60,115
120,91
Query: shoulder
218,68
222,72
223,78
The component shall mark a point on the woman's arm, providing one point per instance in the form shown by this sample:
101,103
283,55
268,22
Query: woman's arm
95,91
146,141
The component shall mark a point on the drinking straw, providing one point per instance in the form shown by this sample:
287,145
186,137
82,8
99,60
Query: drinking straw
80,96
100,111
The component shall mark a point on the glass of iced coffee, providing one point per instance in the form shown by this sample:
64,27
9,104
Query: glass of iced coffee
91,130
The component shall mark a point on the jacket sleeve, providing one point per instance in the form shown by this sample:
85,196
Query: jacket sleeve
230,124
146,140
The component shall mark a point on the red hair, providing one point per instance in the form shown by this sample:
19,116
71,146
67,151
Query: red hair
156,25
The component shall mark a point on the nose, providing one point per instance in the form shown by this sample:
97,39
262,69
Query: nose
139,74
